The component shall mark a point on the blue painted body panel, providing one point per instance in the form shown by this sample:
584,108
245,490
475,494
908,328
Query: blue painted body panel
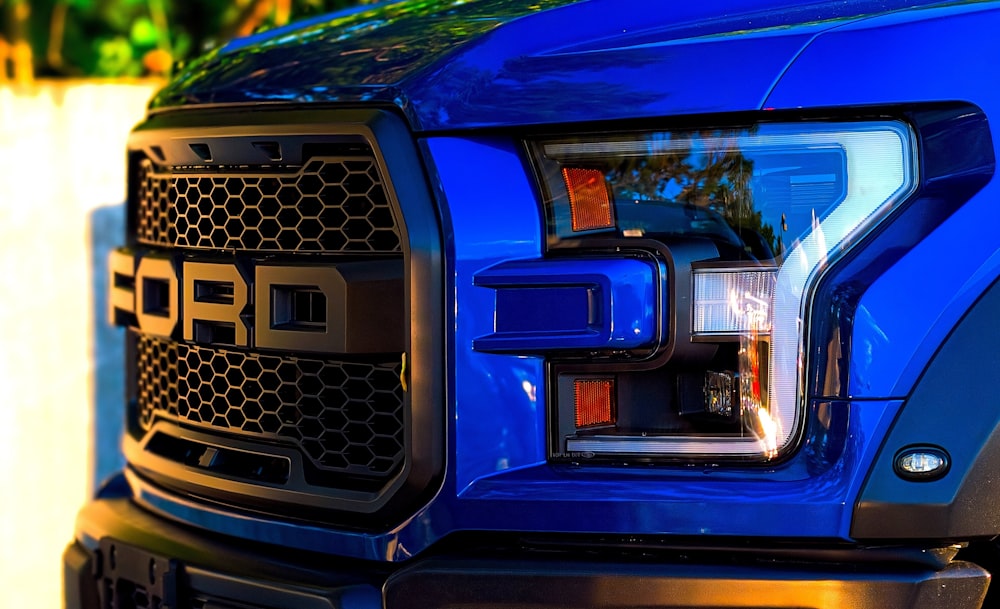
451,65
590,303
499,414
518,68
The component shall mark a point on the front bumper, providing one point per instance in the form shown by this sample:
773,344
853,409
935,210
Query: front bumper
125,557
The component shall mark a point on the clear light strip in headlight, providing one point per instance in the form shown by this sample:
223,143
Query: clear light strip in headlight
731,302
881,171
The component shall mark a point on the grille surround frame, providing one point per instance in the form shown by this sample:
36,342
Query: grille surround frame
231,134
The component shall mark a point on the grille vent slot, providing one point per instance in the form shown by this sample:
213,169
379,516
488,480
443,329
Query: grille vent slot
345,417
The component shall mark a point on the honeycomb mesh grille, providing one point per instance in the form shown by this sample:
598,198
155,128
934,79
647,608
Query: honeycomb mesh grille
331,204
346,417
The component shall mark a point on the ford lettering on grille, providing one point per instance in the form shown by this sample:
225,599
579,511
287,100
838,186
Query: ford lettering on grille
264,305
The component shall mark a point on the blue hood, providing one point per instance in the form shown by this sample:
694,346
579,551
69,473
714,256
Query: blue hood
454,64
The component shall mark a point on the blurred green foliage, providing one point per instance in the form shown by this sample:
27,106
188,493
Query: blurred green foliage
128,38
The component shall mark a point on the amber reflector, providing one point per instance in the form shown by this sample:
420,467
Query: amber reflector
594,402
589,202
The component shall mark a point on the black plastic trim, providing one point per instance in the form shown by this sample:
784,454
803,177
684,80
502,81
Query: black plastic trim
79,591
497,570
475,584
953,406
208,568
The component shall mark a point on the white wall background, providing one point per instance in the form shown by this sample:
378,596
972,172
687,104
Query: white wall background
62,184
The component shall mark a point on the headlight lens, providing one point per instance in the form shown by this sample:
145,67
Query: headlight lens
747,219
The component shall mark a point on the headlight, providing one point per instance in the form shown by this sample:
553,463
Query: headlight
744,221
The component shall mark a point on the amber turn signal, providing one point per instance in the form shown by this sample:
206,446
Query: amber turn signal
589,199
594,402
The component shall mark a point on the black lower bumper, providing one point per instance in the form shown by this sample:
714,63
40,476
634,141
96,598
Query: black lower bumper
126,558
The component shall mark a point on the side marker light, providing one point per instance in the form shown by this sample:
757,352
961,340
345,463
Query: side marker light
921,463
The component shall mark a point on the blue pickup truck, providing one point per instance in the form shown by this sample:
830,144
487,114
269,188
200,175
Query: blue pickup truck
515,304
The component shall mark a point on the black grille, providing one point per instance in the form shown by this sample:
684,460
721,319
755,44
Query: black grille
269,291
331,204
346,417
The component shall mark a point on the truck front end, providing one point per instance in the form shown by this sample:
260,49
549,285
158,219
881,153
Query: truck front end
597,304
